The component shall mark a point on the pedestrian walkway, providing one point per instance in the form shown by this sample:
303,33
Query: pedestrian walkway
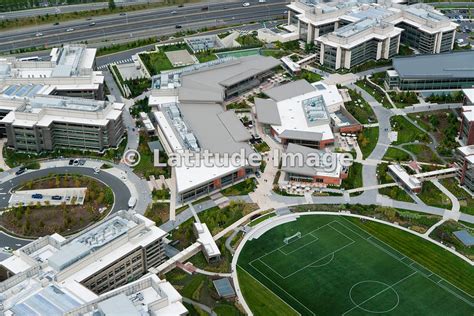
124,61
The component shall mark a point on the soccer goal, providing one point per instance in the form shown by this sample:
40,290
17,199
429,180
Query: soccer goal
287,240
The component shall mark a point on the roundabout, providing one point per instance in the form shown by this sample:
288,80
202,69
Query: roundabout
10,181
332,265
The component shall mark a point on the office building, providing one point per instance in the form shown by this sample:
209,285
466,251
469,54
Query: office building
465,163
190,116
321,173
432,72
466,129
40,123
69,72
53,275
347,34
302,113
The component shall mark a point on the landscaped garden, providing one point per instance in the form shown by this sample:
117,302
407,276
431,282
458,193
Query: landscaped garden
443,125
360,109
42,219
407,132
199,288
444,233
241,188
465,199
146,166
431,195
367,140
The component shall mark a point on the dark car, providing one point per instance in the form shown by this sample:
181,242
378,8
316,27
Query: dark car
20,171
181,5
205,9
82,162
178,26
56,23
56,197
37,196
71,162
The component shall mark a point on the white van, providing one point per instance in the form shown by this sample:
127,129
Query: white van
132,202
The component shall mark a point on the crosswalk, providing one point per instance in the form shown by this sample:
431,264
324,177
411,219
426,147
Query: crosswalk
124,61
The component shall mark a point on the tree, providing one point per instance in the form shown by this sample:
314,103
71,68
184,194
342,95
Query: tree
112,5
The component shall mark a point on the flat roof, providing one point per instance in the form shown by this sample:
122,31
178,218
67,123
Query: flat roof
434,66
289,90
303,168
409,180
469,93
302,110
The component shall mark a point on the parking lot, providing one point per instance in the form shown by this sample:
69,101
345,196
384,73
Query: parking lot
463,17
56,196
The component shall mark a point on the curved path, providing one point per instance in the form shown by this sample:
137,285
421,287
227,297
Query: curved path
9,181
295,215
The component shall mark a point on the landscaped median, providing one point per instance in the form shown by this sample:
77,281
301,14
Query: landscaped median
41,218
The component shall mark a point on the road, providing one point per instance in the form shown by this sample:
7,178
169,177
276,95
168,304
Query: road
65,9
121,192
110,27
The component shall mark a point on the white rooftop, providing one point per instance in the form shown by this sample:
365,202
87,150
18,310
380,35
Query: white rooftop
409,180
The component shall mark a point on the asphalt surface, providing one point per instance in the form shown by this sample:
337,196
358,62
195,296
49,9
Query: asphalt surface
120,26
121,192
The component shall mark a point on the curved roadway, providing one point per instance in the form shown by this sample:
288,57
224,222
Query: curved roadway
121,192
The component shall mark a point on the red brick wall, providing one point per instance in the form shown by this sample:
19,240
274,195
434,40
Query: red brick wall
328,180
241,173
351,129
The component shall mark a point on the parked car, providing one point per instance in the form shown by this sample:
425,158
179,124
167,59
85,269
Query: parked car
257,174
57,197
76,162
7,249
20,171
82,162
37,196
71,161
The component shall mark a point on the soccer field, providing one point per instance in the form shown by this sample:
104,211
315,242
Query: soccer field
336,268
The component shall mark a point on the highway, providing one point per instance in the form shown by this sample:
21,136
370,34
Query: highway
121,192
120,26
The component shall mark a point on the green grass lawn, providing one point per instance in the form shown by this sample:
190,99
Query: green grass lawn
431,195
241,188
360,109
342,266
423,153
407,132
261,300
146,165
396,193
378,95
156,62
396,154
465,199
354,180
444,234
262,147
368,140
309,76
206,56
